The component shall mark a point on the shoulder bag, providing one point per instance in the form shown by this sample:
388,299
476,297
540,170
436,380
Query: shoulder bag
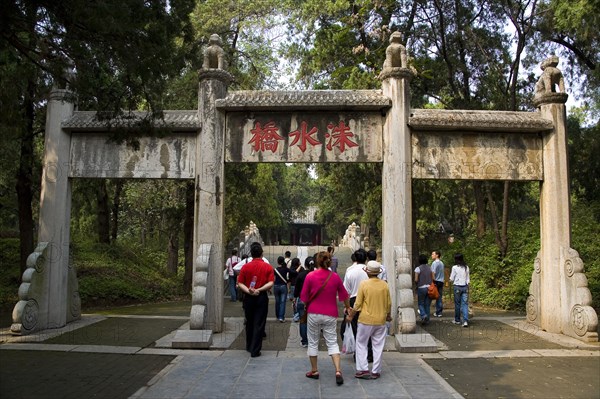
304,317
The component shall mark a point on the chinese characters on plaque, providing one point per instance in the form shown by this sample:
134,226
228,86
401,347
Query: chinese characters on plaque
267,137
304,137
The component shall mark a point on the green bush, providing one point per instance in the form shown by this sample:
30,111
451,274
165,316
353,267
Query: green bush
504,283
10,274
118,273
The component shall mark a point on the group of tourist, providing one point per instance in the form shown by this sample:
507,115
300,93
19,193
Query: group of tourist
315,289
425,274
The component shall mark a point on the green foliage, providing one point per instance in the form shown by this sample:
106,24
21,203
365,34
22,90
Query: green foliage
9,271
266,194
584,162
248,30
350,193
504,283
122,273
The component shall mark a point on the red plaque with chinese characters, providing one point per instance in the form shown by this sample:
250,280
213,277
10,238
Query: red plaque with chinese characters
303,137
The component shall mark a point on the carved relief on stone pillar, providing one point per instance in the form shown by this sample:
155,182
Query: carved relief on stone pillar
533,304
582,320
26,311
406,317
199,285
546,90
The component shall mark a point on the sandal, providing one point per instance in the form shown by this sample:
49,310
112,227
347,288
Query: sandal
338,378
313,374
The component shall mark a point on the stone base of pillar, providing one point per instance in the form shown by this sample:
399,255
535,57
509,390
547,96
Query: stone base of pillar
421,342
577,318
192,339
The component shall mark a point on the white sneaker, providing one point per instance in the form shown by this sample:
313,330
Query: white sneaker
455,322
465,324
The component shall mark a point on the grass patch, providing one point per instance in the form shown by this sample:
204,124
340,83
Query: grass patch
109,275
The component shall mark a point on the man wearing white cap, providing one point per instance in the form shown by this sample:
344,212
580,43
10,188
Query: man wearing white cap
374,304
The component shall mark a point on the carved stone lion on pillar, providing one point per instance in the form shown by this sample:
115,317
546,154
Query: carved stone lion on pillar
551,77
214,56
395,54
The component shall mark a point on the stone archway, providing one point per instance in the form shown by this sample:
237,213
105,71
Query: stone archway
323,126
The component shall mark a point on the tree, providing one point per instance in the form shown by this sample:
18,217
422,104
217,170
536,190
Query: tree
123,52
570,28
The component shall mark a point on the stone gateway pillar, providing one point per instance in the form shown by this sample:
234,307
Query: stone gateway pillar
397,186
49,295
207,292
559,299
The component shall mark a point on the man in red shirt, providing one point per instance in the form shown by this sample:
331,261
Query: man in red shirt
255,279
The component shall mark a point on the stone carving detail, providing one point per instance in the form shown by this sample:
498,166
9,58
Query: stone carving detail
406,316
545,88
506,121
26,311
395,53
249,235
582,319
200,279
214,65
309,99
551,77
396,62
537,265
214,56
533,305
352,238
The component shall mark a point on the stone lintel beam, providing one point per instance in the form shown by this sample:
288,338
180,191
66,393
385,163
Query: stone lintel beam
322,100
481,121
92,121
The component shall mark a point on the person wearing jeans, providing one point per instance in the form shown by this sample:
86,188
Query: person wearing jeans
309,266
229,265
281,288
423,278
460,279
437,267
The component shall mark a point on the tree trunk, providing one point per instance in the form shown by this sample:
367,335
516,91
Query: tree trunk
504,229
24,183
188,236
492,205
103,213
173,253
115,209
479,207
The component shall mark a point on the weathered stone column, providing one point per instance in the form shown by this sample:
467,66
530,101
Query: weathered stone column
48,296
396,186
559,298
207,294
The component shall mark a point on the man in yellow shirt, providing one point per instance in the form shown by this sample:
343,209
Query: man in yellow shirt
374,304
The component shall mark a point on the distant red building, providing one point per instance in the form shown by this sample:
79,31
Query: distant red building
305,231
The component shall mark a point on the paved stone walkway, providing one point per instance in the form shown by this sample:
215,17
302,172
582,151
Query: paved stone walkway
126,352
548,366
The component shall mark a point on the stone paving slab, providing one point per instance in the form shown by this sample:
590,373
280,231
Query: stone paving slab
275,376
45,374
541,377
487,335
141,332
